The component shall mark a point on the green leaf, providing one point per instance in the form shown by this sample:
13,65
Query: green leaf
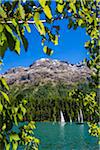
42,3
46,8
59,1
72,6
5,96
15,120
36,16
16,109
60,7
47,11
1,107
23,110
2,13
47,50
87,44
10,40
21,11
1,27
3,49
7,146
55,40
4,83
15,145
14,137
20,116
80,22
14,22
98,42
17,46
25,42
36,140
89,18
27,27
70,23
3,39
18,31
24,101
4,126
8,29
39,25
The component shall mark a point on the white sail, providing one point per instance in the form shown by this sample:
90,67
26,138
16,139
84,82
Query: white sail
62,117
81,116
70,119
78,117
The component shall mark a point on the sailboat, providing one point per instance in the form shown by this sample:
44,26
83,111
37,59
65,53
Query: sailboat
70,119
80,117
62,119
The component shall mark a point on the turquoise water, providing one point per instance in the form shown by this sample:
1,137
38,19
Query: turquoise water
67,137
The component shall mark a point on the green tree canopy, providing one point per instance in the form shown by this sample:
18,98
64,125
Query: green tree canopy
16,17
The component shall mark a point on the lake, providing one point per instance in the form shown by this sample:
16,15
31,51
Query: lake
65,137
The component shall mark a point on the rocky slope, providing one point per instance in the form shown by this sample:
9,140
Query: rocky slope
47,70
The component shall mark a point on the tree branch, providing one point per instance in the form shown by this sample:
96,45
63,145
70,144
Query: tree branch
20,22
31,22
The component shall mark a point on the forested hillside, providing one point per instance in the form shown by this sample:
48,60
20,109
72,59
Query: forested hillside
52,86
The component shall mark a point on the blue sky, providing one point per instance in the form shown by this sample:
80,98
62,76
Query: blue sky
70,48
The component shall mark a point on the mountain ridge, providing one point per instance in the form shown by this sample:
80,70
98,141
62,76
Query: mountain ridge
48,70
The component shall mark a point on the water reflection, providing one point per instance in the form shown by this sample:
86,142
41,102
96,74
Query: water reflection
62,130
